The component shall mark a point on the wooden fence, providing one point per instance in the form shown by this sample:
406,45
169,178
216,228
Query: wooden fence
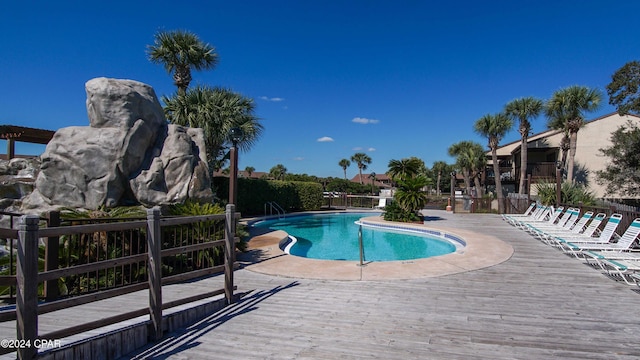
28,277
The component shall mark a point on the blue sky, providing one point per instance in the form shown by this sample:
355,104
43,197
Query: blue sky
392,79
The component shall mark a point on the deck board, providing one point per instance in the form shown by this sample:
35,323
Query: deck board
540,303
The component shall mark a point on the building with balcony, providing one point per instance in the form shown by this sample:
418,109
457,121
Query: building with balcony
543,150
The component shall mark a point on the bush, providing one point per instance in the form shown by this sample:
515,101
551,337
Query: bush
253,194
569,194
394,212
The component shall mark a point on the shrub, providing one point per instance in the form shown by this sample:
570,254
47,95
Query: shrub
253,194
569,194
394,212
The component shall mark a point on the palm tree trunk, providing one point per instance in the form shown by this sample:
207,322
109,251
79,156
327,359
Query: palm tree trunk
523,164
573,141
476,182
467,181
360,170
496,175
438,184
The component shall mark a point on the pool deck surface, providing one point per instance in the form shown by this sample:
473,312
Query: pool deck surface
482,250
519,299
536,303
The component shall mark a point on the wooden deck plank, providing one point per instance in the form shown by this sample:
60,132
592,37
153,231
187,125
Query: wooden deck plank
539,304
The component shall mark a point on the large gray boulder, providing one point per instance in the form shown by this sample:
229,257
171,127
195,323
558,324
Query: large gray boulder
128,154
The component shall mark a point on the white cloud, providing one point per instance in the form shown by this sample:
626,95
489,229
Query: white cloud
299,158
360,148
273,99
325,139
359,120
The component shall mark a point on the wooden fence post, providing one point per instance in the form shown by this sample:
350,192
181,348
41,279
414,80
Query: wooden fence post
230,251
27,285
154,242
51,253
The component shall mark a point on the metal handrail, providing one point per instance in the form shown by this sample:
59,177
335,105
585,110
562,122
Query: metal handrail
274,206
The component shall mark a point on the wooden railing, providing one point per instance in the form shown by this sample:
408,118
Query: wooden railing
28,277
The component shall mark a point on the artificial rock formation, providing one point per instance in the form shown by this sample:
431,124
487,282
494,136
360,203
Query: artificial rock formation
128,155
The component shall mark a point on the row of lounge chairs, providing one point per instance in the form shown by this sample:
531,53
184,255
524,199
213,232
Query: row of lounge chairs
585,237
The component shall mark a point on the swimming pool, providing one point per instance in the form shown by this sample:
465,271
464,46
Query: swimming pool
335,237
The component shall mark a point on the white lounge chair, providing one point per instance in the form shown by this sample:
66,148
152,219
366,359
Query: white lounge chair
564,222
604,237
527,212
556,239
381,203
574,228
545,215
539,212
624,269
623,244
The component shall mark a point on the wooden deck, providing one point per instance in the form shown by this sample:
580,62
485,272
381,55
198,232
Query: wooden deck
538,304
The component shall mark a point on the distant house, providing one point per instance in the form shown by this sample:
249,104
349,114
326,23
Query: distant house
382,180
543,151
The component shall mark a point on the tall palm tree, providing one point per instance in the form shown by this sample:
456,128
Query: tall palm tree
565,111
471,159
524,109
249,170
180,51
462,162
474,156
405,168
216,111
494,127
439,168
344,164
362,160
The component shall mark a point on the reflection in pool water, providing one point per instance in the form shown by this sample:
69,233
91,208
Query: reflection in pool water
335,237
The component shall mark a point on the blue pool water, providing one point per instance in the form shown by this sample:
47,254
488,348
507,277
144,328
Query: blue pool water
335,237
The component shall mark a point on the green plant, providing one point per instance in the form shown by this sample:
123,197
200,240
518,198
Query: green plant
569,194
394,212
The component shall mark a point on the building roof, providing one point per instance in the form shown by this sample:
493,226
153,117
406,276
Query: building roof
512,147
25,134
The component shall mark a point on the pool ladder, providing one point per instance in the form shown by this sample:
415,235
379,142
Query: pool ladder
273,206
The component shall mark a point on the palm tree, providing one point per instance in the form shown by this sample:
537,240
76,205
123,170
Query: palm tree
524,109
405,168
362,160
180,51
373,179
344,164
439,167
278,172
565,111
494,127
216,111
410,196
249,170
471,159
474,156
457,150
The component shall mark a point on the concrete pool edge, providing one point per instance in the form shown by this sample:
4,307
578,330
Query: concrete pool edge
481,251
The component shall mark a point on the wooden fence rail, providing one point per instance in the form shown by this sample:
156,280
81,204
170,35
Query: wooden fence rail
27,277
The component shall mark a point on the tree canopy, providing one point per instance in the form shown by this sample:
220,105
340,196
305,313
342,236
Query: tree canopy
216,111
623,89
179,51
622,173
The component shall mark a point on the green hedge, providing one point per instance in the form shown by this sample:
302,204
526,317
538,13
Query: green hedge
254,193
